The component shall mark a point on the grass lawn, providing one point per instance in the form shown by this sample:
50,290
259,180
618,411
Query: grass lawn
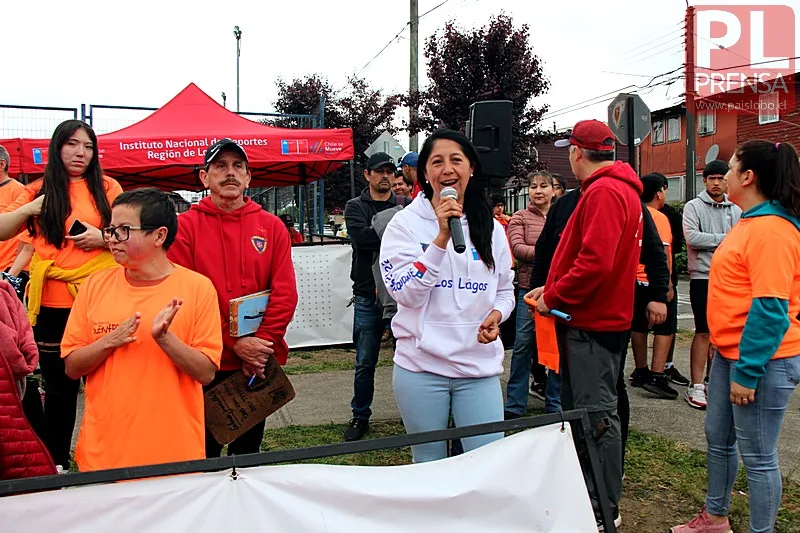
664,481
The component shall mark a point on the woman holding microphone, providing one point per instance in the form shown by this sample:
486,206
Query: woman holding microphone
450,305
754,289
63,214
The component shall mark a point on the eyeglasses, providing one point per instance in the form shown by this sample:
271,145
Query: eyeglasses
123,233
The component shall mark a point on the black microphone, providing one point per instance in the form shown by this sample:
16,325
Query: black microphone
456,233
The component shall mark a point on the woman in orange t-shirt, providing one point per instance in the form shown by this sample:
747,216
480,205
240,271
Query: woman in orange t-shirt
63,213
754,290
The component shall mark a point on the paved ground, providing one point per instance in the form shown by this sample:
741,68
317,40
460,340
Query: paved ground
325,398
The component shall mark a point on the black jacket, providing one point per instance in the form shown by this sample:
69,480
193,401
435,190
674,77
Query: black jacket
676,225
653,256
358,213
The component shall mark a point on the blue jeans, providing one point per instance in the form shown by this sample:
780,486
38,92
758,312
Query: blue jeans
552,395
425,401
368,326
524,345
755,428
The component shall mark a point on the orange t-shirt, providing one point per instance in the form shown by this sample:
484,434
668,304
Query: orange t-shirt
8,249
759,258
665,232
55,293
140,407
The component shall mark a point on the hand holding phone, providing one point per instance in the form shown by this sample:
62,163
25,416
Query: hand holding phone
77,228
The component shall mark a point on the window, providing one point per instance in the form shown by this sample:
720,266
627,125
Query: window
706,122
658,132
768,105
673,129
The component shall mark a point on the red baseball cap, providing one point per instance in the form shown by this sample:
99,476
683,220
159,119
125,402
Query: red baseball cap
590,135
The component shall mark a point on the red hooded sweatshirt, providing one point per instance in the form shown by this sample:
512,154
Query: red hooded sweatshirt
593,273
242,252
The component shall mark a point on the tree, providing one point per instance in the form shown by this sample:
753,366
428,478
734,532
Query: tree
368,112
494,62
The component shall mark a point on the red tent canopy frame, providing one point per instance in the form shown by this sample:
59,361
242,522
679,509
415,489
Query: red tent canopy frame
166,149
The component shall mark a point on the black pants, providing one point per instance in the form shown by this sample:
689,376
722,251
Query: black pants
60,392
249,442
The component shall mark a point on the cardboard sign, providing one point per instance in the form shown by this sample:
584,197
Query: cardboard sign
232,407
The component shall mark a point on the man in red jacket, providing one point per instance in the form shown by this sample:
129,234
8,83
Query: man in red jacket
242,249
592,278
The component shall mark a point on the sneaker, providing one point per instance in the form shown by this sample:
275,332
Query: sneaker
356,430
701,524
676,377
537,390
510,415
639,377
617,521
659,385
696,396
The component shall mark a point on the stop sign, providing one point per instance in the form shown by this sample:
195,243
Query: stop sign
618,118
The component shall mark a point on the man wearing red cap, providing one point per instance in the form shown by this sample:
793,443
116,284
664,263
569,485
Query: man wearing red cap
592,278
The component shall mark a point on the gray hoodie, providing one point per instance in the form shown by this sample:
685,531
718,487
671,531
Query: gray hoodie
705,224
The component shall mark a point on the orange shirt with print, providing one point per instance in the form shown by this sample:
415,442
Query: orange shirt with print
665,232
8,249
55,293
140,407
759,258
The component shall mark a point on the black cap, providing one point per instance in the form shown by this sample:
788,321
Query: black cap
716,167
380,159
287,220
218,146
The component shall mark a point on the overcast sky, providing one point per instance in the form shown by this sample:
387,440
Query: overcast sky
142,53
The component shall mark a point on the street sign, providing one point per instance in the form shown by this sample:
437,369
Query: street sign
618,118
387,144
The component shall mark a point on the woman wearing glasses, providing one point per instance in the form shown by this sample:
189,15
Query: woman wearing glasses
62,214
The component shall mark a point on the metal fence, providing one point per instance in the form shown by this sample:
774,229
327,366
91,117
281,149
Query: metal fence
32,122
305,204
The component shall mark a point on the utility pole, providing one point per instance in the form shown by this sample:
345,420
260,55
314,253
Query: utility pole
413,80
238,34
691,129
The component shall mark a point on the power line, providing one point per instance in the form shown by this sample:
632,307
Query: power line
674,47
670,41
748,64
670,32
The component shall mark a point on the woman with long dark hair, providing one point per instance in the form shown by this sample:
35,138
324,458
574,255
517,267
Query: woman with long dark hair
754,289
450,305
72,202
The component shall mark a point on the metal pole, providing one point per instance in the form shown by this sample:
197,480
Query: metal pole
238,34
352,180
691,132
224,100
413,80
629,127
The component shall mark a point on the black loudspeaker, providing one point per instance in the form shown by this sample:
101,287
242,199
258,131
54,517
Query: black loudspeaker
489,129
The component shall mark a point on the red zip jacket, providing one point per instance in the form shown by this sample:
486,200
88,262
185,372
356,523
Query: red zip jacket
593,273
242,252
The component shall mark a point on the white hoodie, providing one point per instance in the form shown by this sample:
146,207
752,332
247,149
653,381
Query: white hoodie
443,297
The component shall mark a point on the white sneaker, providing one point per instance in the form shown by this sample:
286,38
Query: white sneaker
696,396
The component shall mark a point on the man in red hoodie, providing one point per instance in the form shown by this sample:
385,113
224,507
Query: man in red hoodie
592,278
242,249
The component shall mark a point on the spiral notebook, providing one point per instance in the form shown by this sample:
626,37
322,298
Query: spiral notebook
246,313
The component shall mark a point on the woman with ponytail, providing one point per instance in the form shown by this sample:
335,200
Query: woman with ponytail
63,213
449,305
754,289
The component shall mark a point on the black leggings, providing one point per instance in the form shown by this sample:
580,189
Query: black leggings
60,392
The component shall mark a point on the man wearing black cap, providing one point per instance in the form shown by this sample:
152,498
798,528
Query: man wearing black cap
368,323
706,221
243,250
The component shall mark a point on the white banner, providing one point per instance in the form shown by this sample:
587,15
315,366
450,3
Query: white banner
528,482
324,288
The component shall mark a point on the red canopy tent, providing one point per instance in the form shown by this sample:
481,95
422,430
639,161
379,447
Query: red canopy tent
166,149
